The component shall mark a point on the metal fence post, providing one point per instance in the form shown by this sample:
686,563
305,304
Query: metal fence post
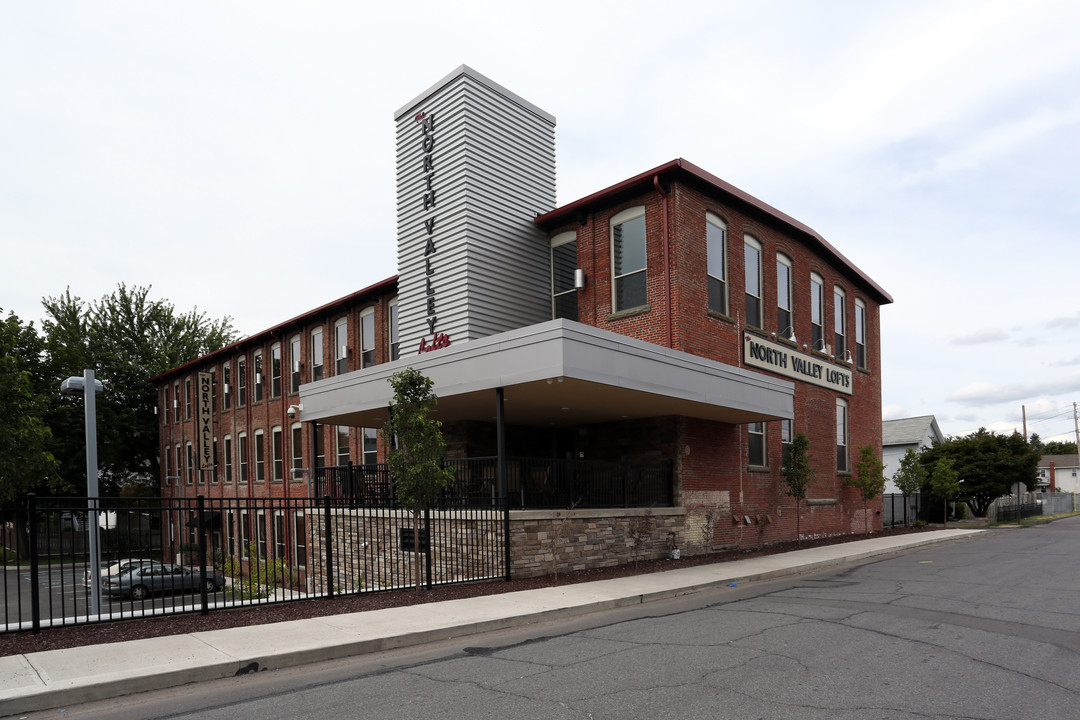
200,505
328,550
427,559
35,592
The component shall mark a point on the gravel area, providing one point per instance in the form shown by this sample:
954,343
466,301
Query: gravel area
119,631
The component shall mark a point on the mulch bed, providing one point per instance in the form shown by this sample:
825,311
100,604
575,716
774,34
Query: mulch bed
119,631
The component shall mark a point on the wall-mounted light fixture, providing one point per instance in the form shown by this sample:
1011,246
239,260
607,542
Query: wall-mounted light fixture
784,334
579,279
846,357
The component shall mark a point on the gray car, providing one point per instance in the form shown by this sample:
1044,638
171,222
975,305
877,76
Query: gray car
141,581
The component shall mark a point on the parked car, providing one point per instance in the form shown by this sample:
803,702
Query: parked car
114,568
142,580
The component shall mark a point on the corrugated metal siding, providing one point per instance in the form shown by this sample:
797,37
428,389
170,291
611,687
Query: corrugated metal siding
494,171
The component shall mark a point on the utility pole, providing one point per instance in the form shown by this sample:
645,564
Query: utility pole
1076,429
1023,411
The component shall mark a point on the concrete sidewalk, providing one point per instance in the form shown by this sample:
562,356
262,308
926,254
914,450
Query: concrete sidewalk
75,675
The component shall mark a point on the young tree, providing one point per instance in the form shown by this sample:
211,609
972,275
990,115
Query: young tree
416,449
910,476
944,484
869,479
798,475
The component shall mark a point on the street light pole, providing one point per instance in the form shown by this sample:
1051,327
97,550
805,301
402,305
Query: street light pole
89,388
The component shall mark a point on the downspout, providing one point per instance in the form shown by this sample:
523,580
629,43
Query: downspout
667,255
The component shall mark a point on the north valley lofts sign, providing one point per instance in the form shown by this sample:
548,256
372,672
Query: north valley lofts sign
784,360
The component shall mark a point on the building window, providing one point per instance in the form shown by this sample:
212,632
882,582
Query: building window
228,458
841,436
320,447
176,402
752,252
785,441
756,444
860,333
367,337
342,445
817,313
167,454
297,451
226,391
166,410
563,264
294,364
245,533
279,535
371,447
716,249
299,539
277,454
785,328
839,322
260,532
241,382
241,441
179,465
275,370
316,355
260,457
628,260
187,398
189,470
341,346
394,342
257,361
214,471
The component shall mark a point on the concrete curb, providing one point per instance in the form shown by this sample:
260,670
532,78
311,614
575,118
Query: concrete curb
55,678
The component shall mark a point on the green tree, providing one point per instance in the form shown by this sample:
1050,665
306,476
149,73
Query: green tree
127,338
26,464
1036,442
798,476
868,479
416,449
987,464
1058,447
944,484
910,477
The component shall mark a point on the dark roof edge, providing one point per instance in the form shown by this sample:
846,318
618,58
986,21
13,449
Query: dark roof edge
276,329
679,166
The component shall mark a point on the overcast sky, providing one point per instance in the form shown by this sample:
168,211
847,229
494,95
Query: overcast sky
239,157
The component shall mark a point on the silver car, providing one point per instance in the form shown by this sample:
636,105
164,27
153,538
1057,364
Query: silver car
140,581
115,568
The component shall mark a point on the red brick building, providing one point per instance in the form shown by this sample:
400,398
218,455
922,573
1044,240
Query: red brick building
669,321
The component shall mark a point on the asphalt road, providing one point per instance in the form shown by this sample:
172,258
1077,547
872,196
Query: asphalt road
983,628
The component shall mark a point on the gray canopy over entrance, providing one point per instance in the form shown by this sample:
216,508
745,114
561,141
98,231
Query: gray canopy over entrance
558,373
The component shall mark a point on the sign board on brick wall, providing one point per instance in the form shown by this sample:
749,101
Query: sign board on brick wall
789,362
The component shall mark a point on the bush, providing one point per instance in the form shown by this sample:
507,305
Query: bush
257,578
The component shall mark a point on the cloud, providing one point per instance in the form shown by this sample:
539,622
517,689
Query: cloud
986,393
1065,363
893,412
1063,323
981,337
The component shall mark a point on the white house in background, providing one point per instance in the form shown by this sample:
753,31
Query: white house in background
899,435
1059,472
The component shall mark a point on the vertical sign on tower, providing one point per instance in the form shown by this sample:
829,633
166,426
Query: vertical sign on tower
206,421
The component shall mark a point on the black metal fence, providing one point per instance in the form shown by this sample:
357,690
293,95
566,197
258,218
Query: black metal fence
532,483
901,511
199,554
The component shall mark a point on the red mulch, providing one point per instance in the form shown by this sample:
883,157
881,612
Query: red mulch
119,631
